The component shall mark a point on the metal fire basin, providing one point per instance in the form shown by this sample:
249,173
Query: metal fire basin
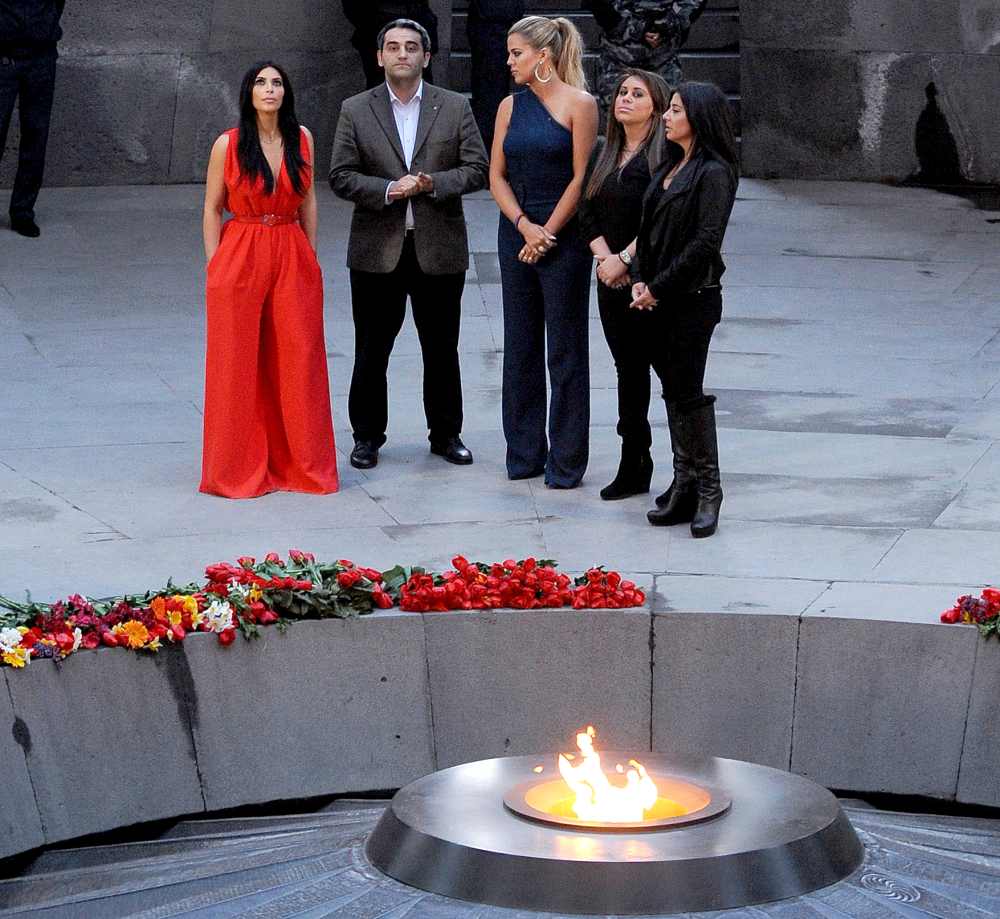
450,833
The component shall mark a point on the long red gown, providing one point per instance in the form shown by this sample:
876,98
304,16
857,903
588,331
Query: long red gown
267,397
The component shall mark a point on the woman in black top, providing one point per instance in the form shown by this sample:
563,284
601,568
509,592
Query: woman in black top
619,173
679,264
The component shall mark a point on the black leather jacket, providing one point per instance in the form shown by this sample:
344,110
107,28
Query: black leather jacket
29,26
681,231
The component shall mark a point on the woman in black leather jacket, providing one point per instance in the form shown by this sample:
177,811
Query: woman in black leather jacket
678,269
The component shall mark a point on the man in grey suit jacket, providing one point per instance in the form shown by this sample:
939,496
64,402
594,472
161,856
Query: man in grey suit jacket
405,152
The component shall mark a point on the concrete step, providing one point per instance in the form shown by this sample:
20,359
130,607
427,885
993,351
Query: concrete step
562,7
716,30
719,67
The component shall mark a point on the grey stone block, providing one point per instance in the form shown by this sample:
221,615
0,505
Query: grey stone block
110,743
845,114
111,121
332,706
724,685
303,25
20,824
881,706
135,27
517,682
979,778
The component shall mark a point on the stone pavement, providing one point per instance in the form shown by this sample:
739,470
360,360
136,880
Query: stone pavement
857,369
313,866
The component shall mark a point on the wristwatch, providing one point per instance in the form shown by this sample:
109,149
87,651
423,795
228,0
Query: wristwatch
625,257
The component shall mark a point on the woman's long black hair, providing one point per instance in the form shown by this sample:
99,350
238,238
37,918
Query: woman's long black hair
652,143
711,121
253,163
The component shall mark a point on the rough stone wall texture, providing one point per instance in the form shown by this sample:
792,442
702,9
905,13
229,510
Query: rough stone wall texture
834,90
143,88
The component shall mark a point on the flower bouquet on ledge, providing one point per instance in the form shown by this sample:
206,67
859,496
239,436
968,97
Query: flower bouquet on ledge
250,594
983,611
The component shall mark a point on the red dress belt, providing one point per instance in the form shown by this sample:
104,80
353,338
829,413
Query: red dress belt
268,220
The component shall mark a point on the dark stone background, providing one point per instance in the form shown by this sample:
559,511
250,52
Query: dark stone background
831,89
144,87
834,90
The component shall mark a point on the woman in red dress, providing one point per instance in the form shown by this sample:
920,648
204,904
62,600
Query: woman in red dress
267,398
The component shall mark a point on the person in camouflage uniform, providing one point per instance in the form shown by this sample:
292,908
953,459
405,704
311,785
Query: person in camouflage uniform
647,34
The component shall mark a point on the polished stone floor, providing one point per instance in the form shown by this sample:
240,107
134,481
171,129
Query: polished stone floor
312,866
857,369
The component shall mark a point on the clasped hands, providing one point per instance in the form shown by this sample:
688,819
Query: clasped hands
642,299
410,185
612,271
537,241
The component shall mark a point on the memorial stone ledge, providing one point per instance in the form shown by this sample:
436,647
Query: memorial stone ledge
508,682
979,778
20,824
107,740
327,707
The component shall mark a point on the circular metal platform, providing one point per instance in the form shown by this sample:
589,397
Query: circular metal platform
450,833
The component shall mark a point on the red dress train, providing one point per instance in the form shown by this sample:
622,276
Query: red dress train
267,397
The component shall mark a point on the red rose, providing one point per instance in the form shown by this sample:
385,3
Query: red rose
345,563
267,617
90,641
246,561
951,616
178,632
382,599
460,563
227,636
348,579
273,558
109,638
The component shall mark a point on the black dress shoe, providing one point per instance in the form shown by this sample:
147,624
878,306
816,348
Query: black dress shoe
25,226
452,450
364,455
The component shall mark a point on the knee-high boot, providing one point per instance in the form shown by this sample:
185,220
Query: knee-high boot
679,502
705,454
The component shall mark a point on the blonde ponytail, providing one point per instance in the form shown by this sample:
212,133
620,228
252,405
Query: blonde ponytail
562,40
569,64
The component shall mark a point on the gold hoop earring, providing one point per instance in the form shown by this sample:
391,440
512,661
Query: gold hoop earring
538,77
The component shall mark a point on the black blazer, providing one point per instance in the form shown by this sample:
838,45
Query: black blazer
681,231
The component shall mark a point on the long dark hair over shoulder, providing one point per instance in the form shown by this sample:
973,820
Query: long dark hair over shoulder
711,121
253,163
614,133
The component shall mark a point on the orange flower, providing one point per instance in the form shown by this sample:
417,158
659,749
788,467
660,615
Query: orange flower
134,633
159,608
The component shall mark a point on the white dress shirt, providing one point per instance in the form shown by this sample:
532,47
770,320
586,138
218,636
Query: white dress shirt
407,115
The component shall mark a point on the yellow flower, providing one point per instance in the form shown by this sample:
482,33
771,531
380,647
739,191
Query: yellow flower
16,658
255,593
190,605
135,633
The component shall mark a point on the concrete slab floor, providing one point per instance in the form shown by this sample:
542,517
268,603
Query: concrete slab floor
857,367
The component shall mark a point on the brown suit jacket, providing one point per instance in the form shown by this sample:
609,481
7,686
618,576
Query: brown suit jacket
367,154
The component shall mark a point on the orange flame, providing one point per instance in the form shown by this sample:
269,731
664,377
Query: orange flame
596,798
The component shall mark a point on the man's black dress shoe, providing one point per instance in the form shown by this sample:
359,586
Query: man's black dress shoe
25,226
364,455
452,450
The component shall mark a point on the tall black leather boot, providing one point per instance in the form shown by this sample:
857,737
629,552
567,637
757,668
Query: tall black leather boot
635,471
679,502
705,454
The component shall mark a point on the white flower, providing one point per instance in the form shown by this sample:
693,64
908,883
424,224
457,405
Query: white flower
77,639
219,616
236,589
9,640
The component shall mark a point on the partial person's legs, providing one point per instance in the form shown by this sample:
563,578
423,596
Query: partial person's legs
565,278
691,415
296,404
378,304
523,391
437,314
628,333
37,84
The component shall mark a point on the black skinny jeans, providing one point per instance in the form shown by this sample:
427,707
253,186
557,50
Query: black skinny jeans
684,327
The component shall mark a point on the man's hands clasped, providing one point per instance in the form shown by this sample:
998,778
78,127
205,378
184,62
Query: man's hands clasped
409,185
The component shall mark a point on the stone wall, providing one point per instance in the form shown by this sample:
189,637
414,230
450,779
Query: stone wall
871,89
143,88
